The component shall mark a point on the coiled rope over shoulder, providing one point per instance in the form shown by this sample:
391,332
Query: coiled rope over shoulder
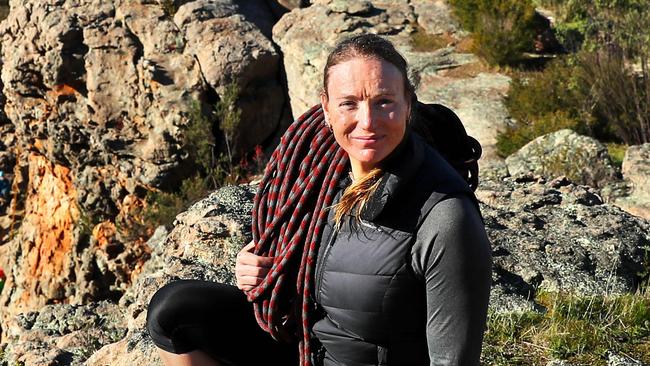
288,218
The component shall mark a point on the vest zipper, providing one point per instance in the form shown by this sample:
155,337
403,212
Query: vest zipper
319,275
371,225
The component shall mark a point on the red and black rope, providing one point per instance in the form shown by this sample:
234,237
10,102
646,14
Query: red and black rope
289,214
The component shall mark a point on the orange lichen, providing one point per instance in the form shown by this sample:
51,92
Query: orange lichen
63,90
104,233
51,212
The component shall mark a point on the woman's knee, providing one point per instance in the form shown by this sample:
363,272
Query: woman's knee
164,307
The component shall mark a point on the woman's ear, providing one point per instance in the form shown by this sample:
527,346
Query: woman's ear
323,103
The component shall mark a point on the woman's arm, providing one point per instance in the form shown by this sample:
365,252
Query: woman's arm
453,255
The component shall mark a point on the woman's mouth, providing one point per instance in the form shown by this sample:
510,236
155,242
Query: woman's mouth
367,140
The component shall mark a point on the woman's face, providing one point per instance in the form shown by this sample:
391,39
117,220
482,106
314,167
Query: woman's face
367,109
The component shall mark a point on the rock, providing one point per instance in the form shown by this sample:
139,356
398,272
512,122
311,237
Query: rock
551,235
558,236
98,94
203,245
231,49
559,363
477,101
62,334
434,16
582,159
636,168
618,360
636,173
307,35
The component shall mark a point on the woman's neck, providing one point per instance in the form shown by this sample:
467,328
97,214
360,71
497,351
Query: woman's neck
358,171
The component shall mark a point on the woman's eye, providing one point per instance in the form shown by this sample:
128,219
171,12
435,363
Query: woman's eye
385,101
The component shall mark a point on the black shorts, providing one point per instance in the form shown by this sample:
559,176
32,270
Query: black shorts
215,318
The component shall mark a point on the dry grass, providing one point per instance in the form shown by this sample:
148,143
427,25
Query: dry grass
580,330
421,41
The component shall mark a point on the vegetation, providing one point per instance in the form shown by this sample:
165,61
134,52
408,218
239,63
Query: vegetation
502,29
543,102
616,153
213,170
592,24
578,329
421,41
602,90
169,7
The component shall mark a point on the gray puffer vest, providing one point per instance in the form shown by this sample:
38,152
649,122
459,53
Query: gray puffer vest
371,305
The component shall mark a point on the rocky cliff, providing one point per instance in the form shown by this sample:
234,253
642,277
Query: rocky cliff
98,96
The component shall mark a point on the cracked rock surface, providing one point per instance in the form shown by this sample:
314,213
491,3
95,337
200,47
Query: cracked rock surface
98,94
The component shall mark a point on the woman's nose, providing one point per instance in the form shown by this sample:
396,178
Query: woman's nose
365,116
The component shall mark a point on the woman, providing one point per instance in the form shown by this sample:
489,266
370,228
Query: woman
368,249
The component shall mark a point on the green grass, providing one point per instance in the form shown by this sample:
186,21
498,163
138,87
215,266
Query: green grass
616,152
581,330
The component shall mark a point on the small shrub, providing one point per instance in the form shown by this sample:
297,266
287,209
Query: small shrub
593,93
198,139
164,206
214,169
590,25
513,138
169,7
535,94
616,153
502,29
422,41
620,97
229,116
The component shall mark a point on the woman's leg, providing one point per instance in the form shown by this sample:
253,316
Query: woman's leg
189,315
194,358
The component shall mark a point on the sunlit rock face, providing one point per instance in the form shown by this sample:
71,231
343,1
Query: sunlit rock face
97,95
443,72
636,173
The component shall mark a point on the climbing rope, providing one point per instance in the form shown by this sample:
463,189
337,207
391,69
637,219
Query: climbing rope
289,215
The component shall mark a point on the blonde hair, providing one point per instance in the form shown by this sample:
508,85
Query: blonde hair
356,196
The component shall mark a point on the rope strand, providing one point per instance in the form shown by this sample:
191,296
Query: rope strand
289,214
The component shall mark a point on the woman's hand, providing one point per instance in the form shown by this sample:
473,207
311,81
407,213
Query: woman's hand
250,269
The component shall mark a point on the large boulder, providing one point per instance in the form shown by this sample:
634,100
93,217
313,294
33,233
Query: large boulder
443,73
558,236
582,159
232,49
203,245
99,94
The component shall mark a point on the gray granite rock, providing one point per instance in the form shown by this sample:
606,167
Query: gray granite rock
614,359
636,173
582,159
550,235
62,334
202,245
559,236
